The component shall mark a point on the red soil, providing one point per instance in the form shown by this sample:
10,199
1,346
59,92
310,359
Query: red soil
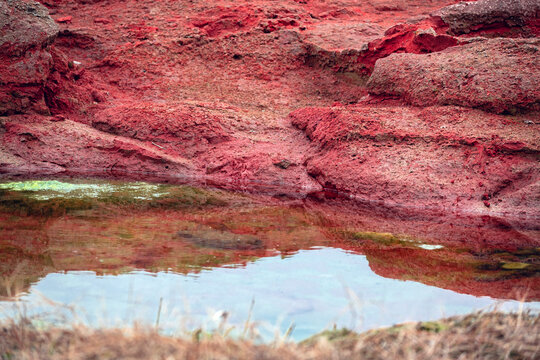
204,89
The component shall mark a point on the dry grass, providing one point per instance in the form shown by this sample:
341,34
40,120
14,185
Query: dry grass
491,335
478,336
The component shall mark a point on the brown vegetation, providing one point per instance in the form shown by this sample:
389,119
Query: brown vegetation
477,336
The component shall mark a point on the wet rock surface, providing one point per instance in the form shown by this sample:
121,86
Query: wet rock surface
216,239
116,227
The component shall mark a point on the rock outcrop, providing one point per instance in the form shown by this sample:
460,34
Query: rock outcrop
447,159
498,75
150,89
26,30
347,47
495,16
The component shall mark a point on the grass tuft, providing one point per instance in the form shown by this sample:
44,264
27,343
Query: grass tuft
492,335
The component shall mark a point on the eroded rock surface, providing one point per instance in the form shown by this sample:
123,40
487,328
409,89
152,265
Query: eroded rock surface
339,45
202,90
26,30
435,158
499,75
356,47
517,16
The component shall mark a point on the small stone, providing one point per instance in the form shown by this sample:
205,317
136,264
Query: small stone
98,96
57,118
284,164
101,21
64,19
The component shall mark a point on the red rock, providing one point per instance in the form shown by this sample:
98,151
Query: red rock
396,157
221,20
68,89
179,124
86,150
26,30
64,19
24,25
102,21
499,75
203,91
340,45
502,17
356,47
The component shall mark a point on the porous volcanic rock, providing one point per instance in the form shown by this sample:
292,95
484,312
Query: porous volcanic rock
141,89
26,30
492,15
498,75
339,45
181,124
438,158
27,139
356,47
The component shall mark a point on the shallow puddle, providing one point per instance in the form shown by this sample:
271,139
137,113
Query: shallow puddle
183,258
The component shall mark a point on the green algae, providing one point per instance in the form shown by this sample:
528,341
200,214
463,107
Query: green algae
106,227
55,198
514,266
332,335
389,239
509,264
49,189
20,204
493,265
433,326
380,238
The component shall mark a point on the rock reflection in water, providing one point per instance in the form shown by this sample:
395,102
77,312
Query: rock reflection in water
115,228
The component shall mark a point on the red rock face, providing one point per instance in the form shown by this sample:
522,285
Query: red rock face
203,90
504,17
26,30
404,157
499,75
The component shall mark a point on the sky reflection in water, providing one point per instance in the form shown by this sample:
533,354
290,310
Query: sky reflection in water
313,288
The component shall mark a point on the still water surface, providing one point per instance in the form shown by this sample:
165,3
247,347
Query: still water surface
91,260
313,289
